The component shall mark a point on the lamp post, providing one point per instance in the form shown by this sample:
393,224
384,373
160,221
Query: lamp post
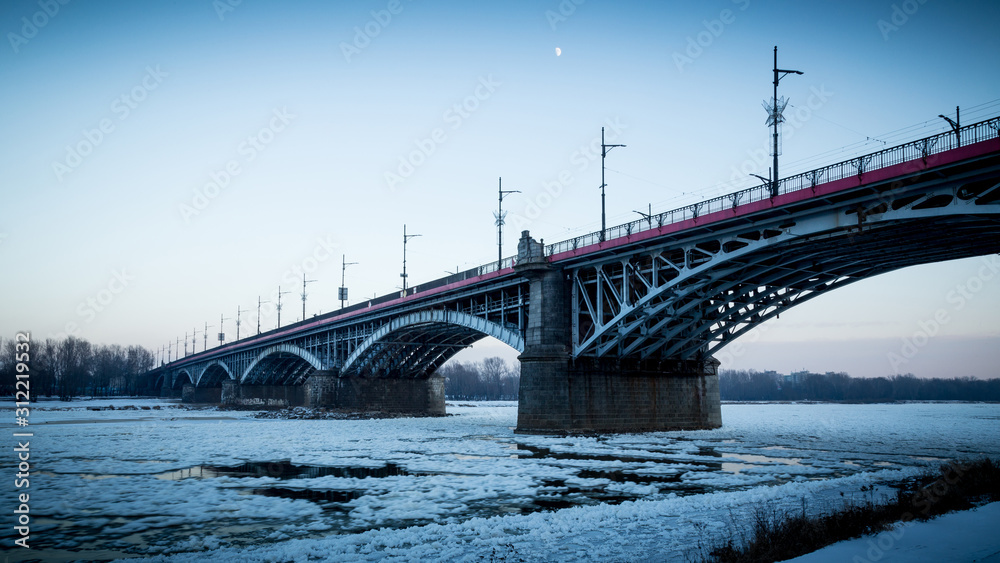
342,290
605,148
500,215
304,282
222,333
647,216
207,326
258,312
406,238
956,125
280,293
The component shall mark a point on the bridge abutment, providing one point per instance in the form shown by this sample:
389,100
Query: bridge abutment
233,393
328,389
192,394
559,394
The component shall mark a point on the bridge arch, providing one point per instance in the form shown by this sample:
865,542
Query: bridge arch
182,378
283,364
213,374
416,344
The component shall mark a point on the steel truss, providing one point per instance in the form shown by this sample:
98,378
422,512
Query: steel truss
687,300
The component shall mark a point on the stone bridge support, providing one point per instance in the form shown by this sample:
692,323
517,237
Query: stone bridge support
192,394
234,393
559,394
329,389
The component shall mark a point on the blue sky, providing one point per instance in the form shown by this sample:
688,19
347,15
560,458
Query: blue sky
244,144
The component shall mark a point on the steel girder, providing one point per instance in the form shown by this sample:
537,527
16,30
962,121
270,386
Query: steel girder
689,300
416,344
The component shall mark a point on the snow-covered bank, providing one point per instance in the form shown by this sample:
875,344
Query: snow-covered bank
958,537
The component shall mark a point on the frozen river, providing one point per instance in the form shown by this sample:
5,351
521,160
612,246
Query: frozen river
171,483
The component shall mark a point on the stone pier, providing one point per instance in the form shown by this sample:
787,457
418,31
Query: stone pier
561,395
262,395
192,394
329,389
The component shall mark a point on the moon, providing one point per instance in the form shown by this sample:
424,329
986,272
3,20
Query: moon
558,51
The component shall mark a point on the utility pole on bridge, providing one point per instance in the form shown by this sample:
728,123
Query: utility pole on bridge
280,293
304,282
239,319
206,334
342,290
500,215
258,311
605,148
185,344
194,340
406,237
222,334
775,118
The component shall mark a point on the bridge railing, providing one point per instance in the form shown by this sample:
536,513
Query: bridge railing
914,150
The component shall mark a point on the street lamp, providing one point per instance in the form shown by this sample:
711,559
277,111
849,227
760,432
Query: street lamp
406,238
500,215
304,282
342,290
955,125
605,148
280,293
222,334
258,312
647,216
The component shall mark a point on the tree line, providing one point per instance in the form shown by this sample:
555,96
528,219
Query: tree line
743,385
492,379
73,367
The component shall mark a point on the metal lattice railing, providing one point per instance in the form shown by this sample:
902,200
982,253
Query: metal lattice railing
914,150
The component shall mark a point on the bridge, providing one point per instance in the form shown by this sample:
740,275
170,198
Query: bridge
617,330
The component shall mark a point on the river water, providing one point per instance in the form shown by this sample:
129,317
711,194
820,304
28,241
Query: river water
158,479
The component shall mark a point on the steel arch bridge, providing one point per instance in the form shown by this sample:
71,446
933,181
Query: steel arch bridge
617,330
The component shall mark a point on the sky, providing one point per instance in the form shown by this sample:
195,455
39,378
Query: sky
168,164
